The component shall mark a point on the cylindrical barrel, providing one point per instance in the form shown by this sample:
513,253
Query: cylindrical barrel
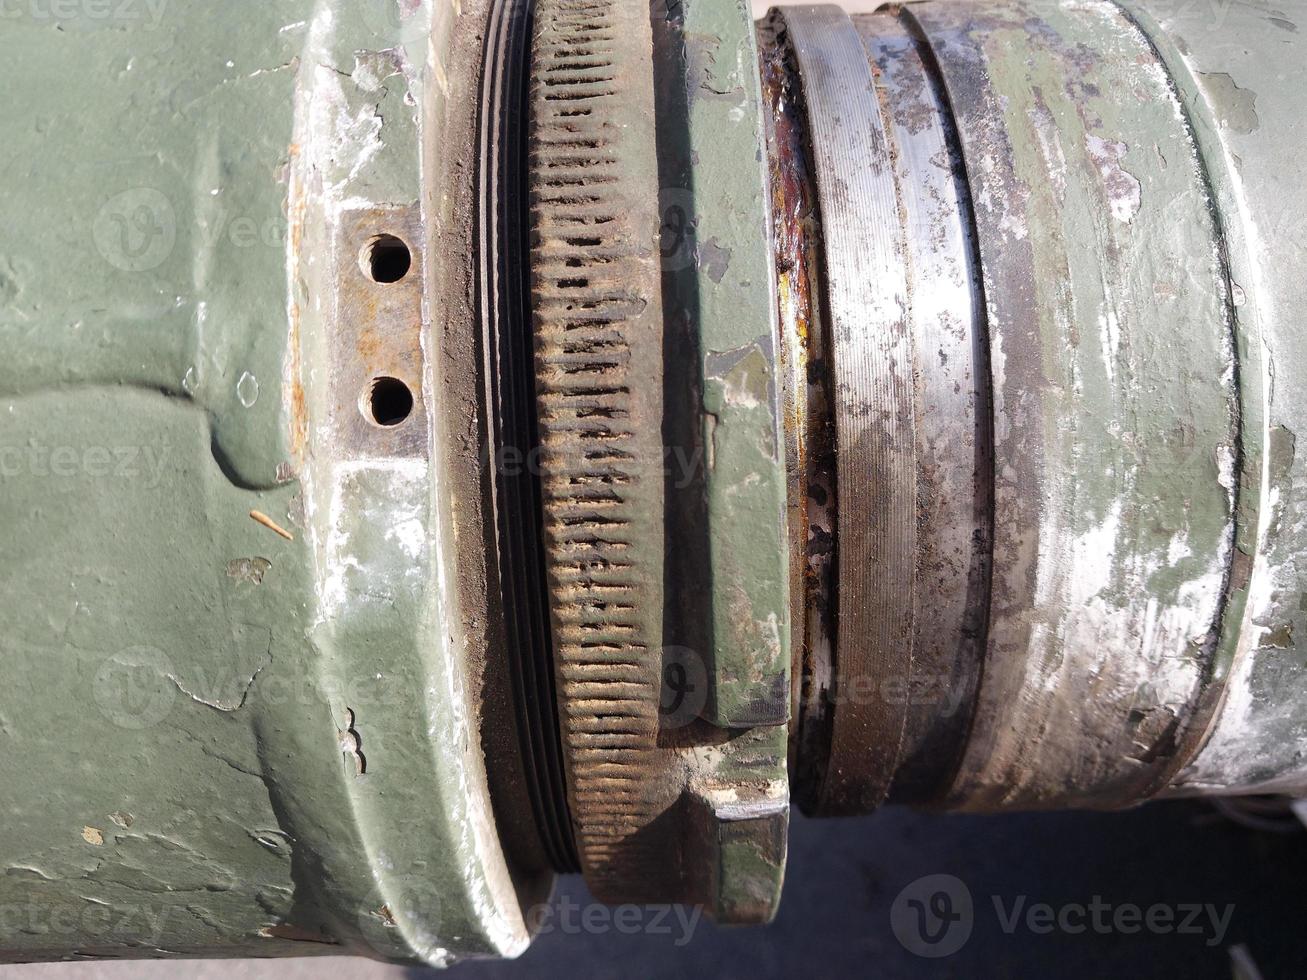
395,513
239,690
1060,247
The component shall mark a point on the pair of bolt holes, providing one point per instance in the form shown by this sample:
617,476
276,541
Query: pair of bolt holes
386,401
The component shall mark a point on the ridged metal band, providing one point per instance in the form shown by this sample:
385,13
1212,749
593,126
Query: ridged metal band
953,424
508,344
596,292
873,409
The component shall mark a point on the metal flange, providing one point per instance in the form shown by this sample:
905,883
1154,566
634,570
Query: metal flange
673,698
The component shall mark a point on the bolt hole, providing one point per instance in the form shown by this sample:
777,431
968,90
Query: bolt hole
386,259
388,402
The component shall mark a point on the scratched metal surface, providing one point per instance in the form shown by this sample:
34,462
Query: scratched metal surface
1113,455
1241,97
872,364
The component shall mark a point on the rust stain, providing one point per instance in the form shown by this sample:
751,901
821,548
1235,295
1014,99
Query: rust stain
796,237
299,414
369,346
296,209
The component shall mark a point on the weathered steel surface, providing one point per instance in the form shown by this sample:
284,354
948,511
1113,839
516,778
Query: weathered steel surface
1239,71
871,367
598,325
217,739
950,388
1117,440
802,363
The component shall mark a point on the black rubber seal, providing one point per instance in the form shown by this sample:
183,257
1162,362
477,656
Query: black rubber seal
504,239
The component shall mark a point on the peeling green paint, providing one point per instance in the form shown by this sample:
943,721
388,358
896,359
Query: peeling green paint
174,682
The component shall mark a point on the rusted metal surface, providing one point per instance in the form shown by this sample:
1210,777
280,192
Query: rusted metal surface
873,412
377,335
1003,295
598,324
1087,386
803,365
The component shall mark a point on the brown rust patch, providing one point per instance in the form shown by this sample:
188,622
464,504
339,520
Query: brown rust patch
809,436
296,212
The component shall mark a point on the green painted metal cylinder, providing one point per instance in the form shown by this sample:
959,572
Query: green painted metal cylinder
238,701
997,304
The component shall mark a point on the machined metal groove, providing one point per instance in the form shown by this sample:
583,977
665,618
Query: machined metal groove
872,370
952,420
598,328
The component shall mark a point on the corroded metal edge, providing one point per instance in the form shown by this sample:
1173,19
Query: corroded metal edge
803,366
871,369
